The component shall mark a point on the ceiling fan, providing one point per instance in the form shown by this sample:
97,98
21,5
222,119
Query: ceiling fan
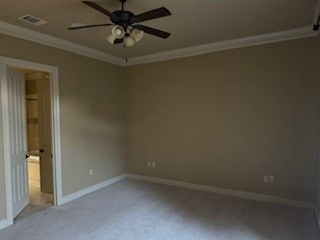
126,29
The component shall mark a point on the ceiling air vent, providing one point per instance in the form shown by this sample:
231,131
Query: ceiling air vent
32,20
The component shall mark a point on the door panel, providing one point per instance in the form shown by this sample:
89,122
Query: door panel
18,140
45,141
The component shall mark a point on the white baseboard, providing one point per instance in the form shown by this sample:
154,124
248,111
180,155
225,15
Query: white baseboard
5,223
227,192
83,192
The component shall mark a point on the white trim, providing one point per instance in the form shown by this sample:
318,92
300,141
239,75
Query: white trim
55,120
30,35
225,191
6,142
56,136
224,45
5,223
83,192
317,12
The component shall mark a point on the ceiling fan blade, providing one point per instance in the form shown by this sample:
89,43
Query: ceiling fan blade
99,8
90,26
118,41
153,31
156,13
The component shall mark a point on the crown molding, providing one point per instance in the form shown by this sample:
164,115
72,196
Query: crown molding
34,36
224,45
317,12
44,39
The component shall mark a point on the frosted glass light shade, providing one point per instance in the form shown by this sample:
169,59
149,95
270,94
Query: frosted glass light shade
129,41
137,34
110,38
118,32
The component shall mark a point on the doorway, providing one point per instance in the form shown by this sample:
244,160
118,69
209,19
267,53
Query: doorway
31,136
39,147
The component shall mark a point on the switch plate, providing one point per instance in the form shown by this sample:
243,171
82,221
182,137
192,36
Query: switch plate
91,172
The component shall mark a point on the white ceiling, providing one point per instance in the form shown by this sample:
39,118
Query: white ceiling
192,22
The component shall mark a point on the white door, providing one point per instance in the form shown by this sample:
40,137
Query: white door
18,140
45,142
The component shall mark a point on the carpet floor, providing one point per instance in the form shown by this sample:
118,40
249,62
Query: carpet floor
134,210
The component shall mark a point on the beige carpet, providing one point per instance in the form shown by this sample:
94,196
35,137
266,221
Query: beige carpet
132,210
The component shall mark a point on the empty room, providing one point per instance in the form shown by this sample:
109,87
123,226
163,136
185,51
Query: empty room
159,120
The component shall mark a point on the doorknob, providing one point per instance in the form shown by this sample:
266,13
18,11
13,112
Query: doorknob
41,150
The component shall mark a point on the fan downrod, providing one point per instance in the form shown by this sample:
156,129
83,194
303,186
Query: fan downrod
122,4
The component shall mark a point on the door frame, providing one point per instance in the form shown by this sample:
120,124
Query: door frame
55,123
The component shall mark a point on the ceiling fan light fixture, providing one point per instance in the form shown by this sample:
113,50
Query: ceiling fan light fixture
128,41
137,34
111,38
118,32
126,27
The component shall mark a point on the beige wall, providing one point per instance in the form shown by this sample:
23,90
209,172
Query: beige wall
318,190
318,170
223,119
226,119
91,114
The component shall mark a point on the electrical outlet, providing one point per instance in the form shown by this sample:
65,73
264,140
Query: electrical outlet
91,172
271,179
153,164
268,179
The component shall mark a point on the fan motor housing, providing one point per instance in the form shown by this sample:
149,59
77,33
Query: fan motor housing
123,18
